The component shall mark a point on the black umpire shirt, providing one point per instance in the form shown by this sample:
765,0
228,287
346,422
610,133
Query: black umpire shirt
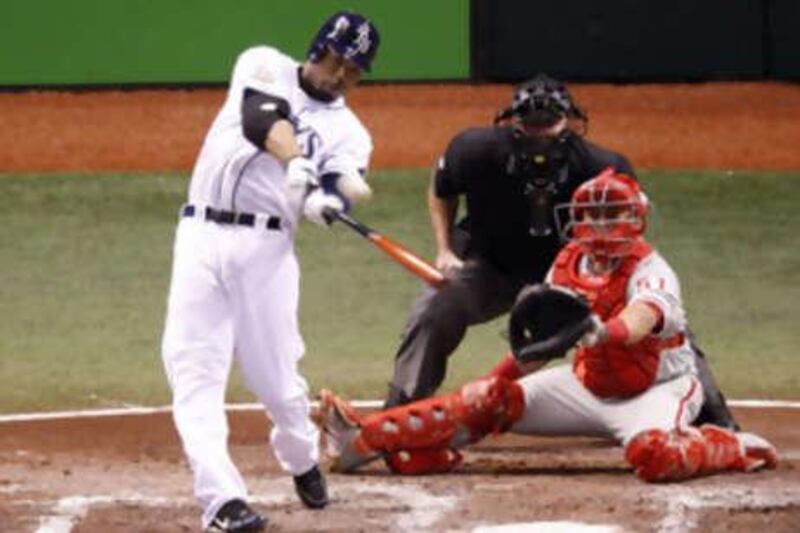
494,168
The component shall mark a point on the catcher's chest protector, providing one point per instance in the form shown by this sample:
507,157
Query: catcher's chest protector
610,370
606,294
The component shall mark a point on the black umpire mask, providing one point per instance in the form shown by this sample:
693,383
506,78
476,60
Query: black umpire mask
540,161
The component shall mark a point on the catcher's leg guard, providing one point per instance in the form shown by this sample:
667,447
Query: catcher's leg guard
658,455
423,461
454,420
507,368
479,408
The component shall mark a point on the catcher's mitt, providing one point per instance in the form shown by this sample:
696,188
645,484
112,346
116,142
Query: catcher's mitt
546,321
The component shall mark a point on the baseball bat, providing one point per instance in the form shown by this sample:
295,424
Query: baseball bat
399,253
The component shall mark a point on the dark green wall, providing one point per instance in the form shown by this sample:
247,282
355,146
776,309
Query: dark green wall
88,42
783,39
634,40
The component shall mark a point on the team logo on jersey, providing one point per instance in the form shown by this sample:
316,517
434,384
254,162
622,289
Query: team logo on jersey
308,139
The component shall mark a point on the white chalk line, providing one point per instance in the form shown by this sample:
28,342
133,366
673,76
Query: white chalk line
683,504
419,509
70,510
358,404
424,508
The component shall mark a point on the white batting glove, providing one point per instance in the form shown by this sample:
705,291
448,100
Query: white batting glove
596,334
318,203
301,178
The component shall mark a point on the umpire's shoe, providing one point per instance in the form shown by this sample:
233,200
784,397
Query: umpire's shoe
312,489
237,517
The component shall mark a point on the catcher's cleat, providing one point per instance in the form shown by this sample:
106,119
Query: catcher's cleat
758,453
345,448
236,517
312,489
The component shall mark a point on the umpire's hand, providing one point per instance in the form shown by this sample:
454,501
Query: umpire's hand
448,262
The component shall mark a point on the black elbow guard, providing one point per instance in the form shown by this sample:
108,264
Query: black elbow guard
259,113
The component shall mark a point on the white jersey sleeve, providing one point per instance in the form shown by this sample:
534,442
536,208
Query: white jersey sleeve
655,282
350,155
264,69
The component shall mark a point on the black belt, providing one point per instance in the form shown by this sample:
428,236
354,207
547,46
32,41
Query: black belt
221,216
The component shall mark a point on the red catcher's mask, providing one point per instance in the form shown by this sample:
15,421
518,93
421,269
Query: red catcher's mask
606,216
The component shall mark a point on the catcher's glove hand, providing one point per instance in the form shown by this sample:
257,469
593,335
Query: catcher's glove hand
546,321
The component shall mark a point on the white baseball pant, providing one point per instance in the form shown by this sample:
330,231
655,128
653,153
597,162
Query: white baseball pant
556,403
234,293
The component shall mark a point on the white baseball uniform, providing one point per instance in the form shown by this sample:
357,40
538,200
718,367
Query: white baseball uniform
234,288
557,402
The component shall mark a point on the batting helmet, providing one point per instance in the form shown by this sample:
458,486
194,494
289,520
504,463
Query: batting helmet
349,34
541,101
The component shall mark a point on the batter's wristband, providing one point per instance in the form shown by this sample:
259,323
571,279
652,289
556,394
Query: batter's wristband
616,331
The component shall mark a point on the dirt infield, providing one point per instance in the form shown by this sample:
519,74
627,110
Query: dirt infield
719,125
127,473
123,474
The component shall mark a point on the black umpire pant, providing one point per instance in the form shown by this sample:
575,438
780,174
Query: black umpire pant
438,322
479,293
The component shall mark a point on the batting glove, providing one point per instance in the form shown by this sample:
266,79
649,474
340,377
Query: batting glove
319,205
301,178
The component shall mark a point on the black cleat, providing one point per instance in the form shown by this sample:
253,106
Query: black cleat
237,517
311,488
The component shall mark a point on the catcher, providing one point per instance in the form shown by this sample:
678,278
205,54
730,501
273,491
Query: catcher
633,377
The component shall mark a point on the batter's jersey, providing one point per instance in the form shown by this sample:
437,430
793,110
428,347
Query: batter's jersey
653,281
232,173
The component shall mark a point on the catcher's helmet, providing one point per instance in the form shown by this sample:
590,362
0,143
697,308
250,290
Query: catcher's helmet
350,35
541,101
606,215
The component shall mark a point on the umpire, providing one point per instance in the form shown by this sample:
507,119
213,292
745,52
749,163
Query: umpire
510,176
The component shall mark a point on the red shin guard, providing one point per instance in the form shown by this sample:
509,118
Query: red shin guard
423,461
479,408
658,455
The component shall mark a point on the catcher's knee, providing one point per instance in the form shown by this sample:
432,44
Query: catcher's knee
490,405
657,455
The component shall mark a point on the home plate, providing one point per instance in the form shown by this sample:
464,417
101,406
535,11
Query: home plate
548,527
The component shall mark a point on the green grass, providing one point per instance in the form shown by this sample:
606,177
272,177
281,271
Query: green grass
85,268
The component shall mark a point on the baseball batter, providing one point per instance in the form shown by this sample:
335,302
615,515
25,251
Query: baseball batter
633,378
284,144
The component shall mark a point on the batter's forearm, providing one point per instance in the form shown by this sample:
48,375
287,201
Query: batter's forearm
281,142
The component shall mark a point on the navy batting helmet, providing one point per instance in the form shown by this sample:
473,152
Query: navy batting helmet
349,34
